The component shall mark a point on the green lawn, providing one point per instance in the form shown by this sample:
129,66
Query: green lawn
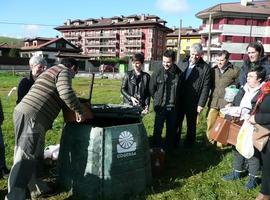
189,173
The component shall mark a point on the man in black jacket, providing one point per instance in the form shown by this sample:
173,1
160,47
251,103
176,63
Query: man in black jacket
135,85
163,87
193,92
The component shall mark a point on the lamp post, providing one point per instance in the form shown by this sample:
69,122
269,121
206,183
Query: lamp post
179,42
209,39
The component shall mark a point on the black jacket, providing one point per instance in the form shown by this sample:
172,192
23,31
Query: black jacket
24,87
159,80
128,88
247,65
262,115
194,91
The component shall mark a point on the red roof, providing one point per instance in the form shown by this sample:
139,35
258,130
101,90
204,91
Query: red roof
45,45
103,22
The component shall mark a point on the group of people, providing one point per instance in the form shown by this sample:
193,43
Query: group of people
178,91
183,90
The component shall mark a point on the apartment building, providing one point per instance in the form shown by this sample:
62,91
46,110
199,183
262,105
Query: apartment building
118,36
234,25
188,37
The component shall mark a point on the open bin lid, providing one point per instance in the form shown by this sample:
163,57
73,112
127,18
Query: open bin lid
116,110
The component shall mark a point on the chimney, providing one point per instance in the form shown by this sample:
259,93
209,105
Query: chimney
142,17
245,2
68,22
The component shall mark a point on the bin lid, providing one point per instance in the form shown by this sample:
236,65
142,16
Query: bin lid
116,110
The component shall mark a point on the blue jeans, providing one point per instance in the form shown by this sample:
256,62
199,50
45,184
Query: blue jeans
2,150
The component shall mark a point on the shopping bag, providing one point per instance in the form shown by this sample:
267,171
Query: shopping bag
219,132
230,93
260,136
244,143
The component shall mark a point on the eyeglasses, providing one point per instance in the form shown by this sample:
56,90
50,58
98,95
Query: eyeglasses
251,76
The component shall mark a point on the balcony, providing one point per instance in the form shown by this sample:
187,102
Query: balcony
102,54
69,37
171,44
101,35
101,44
133,44
134,35
213,47
205,30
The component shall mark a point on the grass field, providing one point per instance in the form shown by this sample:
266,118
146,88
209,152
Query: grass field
189,173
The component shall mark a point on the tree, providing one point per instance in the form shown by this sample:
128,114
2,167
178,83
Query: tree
14,53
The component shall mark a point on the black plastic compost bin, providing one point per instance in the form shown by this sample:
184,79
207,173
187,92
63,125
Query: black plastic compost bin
107,158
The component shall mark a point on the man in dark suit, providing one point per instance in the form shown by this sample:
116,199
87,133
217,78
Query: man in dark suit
193,93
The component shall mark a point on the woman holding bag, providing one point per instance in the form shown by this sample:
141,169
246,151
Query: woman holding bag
262,117
244,97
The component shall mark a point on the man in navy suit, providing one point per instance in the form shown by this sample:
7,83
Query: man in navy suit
193,93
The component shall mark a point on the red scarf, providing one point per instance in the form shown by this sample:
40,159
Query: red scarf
264,90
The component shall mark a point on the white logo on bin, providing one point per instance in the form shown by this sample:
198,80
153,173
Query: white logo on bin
126,143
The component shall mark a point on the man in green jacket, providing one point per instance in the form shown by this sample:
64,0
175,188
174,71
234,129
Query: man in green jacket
223,74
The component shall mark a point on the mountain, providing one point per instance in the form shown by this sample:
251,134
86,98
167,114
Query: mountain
11,41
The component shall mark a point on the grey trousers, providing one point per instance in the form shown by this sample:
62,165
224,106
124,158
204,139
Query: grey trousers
29,145
253,164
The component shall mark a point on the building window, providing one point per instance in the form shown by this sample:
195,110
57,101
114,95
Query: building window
35,43
261,22
230,21
228,39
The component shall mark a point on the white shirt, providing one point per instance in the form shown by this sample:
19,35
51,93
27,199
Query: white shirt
249,95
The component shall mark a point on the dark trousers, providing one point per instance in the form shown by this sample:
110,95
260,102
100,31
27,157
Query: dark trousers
191,117
265,188
239,162
2,150
168,115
